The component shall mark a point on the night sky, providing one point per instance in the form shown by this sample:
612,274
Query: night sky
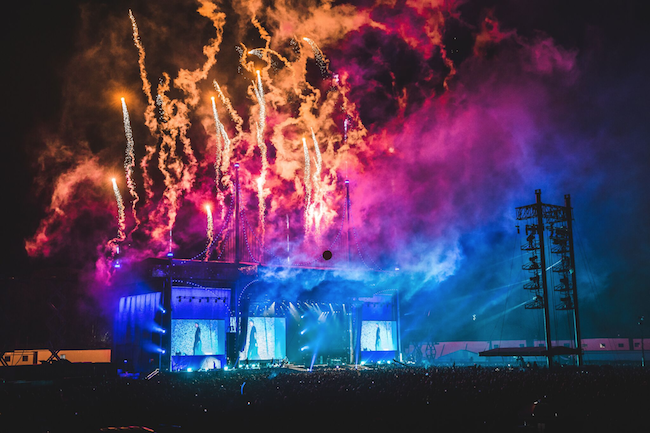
444,117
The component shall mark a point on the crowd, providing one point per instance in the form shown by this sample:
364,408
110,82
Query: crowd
396,397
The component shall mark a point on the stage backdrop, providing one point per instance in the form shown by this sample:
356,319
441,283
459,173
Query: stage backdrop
266,339
198,327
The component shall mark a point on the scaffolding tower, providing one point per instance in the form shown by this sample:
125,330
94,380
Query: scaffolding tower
541,218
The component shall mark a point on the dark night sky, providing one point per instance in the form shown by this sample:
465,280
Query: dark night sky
595,147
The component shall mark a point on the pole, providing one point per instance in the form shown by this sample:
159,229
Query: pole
399,327
347,205
576,312
540,232
237,222
642,345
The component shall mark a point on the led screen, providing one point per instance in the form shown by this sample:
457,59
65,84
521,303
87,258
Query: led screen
198,337
377,336
265,338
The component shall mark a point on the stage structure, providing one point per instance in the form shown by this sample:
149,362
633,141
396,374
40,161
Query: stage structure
187,314
557,222
175,314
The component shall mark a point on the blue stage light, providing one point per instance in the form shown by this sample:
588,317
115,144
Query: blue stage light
303,348
170,254
189,370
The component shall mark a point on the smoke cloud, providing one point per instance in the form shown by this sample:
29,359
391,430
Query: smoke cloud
442,116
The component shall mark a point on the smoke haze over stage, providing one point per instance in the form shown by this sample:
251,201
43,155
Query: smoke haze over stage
443,117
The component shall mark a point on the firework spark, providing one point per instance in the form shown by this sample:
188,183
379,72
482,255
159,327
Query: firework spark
209,232
239,122
261,180
320,58
129,162
307,180
150,113
218,152
121,224
316,213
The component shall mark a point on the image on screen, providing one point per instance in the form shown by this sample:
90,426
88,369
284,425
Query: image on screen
198,337
265,339
378,336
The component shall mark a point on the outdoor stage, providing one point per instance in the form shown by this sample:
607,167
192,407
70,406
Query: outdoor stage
180,315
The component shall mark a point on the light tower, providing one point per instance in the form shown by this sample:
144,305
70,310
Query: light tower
557,220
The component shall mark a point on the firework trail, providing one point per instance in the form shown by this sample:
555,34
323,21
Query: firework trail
150,113
209,232
320,59
261,124
218,152
239,122
146,85
288,244
121,225
129,162
257,52
221,161
307,179
317,203
169,164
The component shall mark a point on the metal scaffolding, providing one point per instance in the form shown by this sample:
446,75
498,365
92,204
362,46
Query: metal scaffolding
555,220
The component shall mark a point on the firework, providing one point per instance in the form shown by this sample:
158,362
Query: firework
316,212
220,132
307,179
318,55
209,232
261,124
150,113
129,162
233,113
121,225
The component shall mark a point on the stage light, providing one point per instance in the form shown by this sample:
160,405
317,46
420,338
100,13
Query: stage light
189,370
303,348
170,254
303,332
